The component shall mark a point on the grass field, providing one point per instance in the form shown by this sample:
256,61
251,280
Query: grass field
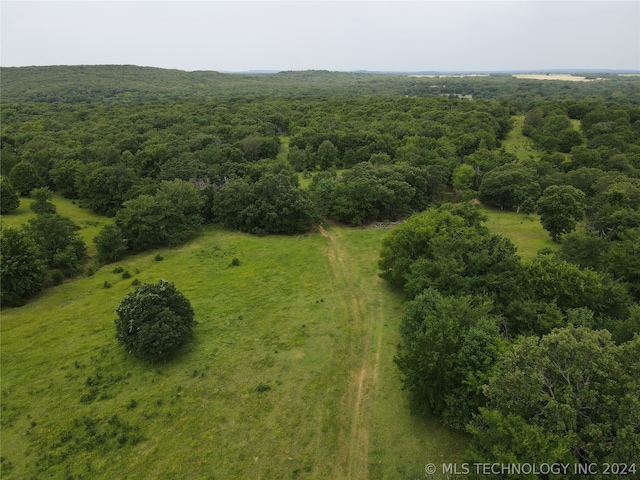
290,374
89,224
525,232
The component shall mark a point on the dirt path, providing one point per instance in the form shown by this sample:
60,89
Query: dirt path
361,298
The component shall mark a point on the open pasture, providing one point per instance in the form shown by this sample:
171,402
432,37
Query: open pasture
290,373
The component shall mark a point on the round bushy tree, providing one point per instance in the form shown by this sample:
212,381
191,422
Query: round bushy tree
154,321
24,178
561,207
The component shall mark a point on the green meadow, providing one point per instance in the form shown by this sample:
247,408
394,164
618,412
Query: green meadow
290,373
89,224
525,231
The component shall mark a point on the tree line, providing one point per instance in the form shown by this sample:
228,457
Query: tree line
537,360
129,83
163,169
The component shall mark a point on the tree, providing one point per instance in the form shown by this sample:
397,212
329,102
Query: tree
278,206
24,178
569,138
58,240
368,193
106,188
326,155
155,321
273,204
463,177
21,268
167,218
572,397
425,236
63,175
321,190
509,186
560,209
185,167
553,281
110,244
9,199
296,159
42,201
431,359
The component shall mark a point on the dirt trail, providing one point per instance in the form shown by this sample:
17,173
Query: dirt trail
361,299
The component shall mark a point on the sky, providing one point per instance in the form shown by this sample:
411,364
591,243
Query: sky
391,35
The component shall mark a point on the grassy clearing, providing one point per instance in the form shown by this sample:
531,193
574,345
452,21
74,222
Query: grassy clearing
283,153
89,223
290,374
525,232
517,144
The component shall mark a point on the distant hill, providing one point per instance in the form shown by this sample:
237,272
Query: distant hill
129,83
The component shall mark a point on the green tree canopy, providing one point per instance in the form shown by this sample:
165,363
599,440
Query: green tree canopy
561,207
273,204
167,218
110,244
42,201
24,178
155,321
106,188
572,396
58,240
434,331
416,238
21,267
9,200
509,186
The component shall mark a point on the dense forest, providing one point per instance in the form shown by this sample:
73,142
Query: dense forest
538,360
118,83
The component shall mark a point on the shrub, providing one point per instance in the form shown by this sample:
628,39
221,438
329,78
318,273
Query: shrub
159,258
154,321
57,277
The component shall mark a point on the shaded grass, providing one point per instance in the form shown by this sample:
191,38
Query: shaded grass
259,393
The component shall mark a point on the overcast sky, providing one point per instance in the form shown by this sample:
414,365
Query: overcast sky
387,35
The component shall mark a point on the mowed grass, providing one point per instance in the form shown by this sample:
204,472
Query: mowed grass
525,231
290,373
